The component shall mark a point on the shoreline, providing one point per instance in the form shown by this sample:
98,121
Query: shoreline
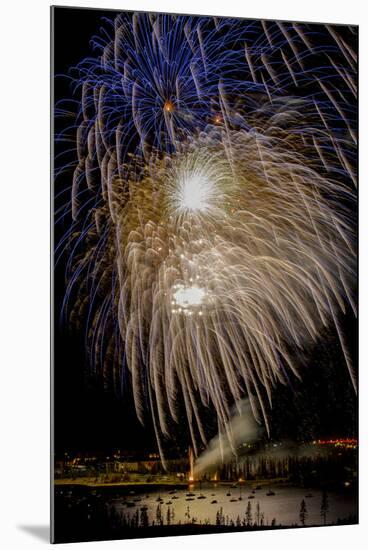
87,482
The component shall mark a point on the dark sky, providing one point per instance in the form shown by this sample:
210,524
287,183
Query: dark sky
89,417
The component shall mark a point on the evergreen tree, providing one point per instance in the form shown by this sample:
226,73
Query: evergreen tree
187,514
303,514
324,507
159,515
136,519
248,514
144,518
258,513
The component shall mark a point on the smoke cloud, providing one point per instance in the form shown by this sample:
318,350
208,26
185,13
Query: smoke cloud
242,428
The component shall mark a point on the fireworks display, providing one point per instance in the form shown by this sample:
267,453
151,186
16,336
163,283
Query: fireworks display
212,232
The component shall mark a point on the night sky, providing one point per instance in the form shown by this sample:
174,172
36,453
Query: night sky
90,417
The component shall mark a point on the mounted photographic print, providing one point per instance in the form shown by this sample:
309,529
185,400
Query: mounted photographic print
204,274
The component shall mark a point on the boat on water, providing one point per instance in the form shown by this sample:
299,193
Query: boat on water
270,493
175,497
213,501
172,492
228,494
190,498
190,495
159,499
168,502
251,496
233,500
144,508
201,496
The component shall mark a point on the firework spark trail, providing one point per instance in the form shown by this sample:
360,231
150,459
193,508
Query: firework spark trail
218,218
157,79
221,286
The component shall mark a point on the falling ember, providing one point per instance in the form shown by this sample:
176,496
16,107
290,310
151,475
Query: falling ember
169,106
191,464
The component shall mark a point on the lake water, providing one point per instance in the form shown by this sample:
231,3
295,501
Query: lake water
284,505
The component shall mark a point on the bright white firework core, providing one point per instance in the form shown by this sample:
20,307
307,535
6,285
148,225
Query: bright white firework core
195,192
186,297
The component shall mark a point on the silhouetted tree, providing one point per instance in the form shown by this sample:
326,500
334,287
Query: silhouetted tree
144,518
220,520
168,516
187,514
159,515
303,514
248,514
324,507
258,513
